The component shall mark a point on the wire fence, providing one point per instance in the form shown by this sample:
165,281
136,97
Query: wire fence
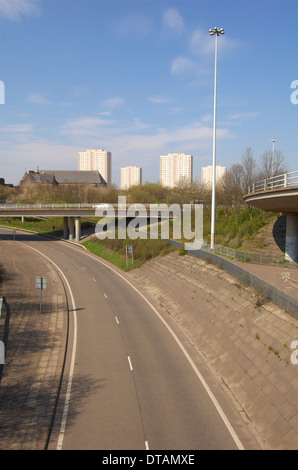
246,256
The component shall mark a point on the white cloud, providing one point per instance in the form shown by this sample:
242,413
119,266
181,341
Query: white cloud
105,113
17,129
131,135
207,118
33,153
156,99
173,20
133,23
183,65
134,142
175,110
197,59
139,125
241,116
201,43
194,135
113,102
37,98
15,9
84,126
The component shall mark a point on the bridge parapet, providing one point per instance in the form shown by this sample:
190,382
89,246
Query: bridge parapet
275,182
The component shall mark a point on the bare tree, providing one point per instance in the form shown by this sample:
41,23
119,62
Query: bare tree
270,166
249,166
233,187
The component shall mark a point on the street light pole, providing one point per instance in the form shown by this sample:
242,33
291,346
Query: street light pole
272,163
216,31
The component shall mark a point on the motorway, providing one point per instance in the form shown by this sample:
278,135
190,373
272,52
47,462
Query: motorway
129,382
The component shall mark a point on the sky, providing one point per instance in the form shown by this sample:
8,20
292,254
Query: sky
136,78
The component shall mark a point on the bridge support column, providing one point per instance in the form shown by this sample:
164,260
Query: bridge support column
71,228
65,227
78,228
291,252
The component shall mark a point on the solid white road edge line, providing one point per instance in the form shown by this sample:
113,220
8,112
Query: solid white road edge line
130,364
73,354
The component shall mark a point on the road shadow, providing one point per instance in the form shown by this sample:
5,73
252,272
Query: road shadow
24,237
27,409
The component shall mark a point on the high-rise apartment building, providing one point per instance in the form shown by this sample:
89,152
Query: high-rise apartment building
130,176
175,167
99,160
207,172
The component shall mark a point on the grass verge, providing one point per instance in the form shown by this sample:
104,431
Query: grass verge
115,251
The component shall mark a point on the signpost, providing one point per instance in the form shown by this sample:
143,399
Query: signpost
129,251
41,283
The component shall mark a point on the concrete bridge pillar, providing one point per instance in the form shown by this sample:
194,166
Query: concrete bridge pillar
65,227
291,252
78,228
71,228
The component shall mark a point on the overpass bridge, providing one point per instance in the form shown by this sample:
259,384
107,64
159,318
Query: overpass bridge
279,194
72,213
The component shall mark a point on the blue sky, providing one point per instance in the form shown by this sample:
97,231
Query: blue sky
137,78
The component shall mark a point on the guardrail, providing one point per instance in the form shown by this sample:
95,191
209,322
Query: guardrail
275,182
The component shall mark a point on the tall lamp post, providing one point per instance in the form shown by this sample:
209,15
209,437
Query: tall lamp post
272,162
216,31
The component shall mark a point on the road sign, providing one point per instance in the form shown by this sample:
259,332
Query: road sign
41,282
129,251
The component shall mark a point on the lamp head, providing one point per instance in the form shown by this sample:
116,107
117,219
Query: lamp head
216,31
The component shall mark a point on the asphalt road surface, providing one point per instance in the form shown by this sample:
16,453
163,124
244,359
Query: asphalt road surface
130,382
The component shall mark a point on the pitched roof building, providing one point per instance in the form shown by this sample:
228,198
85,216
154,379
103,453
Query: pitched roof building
62,177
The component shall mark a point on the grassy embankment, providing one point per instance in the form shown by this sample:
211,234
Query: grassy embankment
115,250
